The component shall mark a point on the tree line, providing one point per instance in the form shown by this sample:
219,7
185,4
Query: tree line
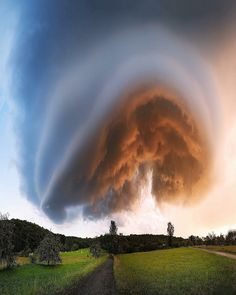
23,238
26,237
213,239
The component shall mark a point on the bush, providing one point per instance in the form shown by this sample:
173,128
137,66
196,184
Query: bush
33,258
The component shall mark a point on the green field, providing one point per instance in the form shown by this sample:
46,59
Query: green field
182,271
226,249
29,279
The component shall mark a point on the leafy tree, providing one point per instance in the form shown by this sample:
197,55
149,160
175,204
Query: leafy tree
110,242
220,240
27,236
75,247
170,232
192,240
95,250
49,250
195,240
231,237
212,237
113,228
6,246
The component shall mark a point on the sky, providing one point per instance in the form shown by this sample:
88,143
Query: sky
121,111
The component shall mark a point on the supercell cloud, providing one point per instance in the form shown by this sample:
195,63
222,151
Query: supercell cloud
109,93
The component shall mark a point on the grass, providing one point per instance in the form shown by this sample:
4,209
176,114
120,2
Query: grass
226,249
19,261
30,279
22,260
182,271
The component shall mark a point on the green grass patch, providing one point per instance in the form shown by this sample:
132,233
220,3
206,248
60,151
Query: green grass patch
182,271
226,249
31,279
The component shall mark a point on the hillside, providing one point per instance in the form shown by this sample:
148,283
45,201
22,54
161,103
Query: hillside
27,236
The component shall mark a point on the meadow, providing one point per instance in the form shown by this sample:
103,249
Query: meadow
182,271
30,279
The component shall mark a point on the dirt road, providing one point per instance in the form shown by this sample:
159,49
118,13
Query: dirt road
100,282
231,256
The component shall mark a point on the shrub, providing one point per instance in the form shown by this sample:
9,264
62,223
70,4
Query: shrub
6,246
32,258
95,250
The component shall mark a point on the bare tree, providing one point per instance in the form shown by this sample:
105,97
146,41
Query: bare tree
49,250
113,228
170,232
6,237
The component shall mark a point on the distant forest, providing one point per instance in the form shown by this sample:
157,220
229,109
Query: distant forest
27,237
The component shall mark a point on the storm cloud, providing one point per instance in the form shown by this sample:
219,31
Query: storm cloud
108,93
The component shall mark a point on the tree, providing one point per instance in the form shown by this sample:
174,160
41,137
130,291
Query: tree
6,245
75,247
231,237
212,237
49,250
170,232
195,240
95,250
192,240
110,241
220,240
27,236
113,228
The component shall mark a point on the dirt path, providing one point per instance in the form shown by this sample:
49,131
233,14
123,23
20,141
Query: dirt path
232,256
100,282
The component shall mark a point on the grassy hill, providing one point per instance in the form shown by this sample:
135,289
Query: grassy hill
30,279
28,235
